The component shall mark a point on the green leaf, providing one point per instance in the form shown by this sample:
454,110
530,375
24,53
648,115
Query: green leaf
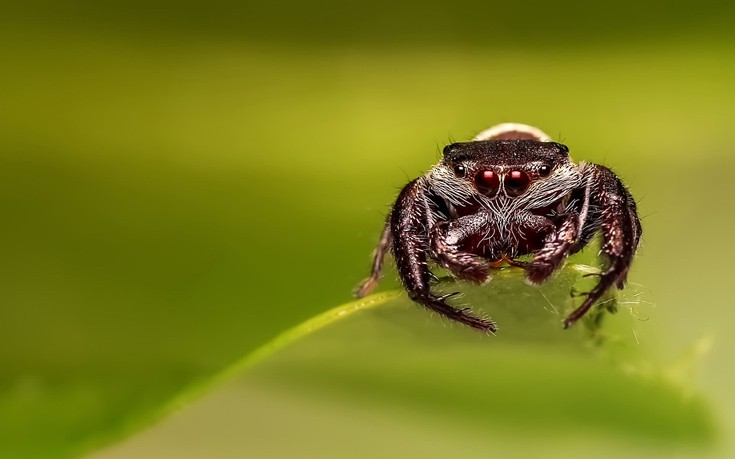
532,377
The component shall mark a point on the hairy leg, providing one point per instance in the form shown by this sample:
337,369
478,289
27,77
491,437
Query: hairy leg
621,231
556,247
368,285
410,217
445,240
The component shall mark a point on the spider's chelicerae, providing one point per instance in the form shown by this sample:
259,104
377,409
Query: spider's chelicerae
509,192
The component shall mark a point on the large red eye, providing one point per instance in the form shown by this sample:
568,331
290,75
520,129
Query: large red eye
516,182
487,182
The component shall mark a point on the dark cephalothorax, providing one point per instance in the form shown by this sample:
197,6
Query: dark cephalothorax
509,192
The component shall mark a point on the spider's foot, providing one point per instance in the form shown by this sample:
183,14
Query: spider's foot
440,306
477,273
365,287
539,272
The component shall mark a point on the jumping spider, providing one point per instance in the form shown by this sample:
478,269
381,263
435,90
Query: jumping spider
509,192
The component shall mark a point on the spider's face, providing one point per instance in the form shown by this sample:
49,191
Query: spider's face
528,171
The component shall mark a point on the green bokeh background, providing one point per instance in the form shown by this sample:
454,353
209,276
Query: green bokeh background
181,182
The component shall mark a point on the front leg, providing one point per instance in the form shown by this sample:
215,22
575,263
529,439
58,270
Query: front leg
411,219
556,247
448,236
621,231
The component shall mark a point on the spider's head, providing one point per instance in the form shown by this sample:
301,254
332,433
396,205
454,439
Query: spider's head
510,168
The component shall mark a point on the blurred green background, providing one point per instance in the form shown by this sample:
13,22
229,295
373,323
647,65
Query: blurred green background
180,182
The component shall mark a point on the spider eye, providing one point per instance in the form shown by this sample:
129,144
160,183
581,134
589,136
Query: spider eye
544,170
516,182
487,182
459,170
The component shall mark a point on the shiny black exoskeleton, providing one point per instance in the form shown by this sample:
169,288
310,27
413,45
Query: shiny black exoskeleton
509,192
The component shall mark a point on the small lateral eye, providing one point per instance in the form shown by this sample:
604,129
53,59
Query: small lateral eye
487,182
459,170
544,170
